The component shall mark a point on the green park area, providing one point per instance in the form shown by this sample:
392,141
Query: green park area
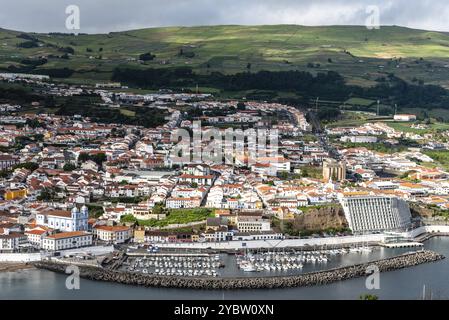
174,216
426,128
441,157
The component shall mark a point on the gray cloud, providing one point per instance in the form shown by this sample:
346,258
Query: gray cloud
101,16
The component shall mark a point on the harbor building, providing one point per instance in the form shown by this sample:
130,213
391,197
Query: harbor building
113,234
67,240
367,214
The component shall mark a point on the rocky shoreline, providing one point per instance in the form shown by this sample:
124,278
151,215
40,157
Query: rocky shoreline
302,280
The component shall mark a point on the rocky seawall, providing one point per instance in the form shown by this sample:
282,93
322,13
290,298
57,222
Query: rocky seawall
302,280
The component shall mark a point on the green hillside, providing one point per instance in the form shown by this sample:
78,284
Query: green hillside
359,54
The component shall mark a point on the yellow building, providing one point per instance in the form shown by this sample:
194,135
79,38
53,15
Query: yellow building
139,235
13,194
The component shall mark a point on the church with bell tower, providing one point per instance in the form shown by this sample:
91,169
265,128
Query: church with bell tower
63,220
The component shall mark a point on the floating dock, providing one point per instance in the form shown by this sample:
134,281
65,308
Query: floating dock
402,245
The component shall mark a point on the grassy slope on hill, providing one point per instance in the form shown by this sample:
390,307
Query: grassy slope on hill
229,49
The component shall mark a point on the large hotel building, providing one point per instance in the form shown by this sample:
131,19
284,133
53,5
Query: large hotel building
366,214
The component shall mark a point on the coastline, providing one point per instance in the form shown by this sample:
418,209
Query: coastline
302,280
15,266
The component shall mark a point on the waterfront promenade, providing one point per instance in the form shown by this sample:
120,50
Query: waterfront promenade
278,243
374,239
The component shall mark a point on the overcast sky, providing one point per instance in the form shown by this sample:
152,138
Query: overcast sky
102,16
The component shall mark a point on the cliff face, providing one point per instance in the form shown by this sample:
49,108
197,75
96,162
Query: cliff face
321,219
421,211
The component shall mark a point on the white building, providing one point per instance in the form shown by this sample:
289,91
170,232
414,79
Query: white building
12,241
67,240
367,214
35,236
250,224
75,220
177,203
404,117
113,234
359,139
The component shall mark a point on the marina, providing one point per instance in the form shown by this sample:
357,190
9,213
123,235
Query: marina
405,260
291,260
187,265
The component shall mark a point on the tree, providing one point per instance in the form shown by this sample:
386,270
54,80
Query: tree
241,106
69,167
283,175
147,56
128,218
83,157
34,123
69,50
304,173
47,194
27,165
4,174
99,158
28,44
158,208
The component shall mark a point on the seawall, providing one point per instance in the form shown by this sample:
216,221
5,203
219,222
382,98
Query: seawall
302,280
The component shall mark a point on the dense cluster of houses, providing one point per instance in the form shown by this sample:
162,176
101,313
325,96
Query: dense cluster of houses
71,181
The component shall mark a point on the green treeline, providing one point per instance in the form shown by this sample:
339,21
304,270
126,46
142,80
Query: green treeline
327,86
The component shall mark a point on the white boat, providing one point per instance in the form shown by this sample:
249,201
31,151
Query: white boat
249,267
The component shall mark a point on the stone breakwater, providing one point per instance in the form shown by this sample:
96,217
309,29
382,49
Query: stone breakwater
302,280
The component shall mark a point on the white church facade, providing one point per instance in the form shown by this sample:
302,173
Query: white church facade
68,221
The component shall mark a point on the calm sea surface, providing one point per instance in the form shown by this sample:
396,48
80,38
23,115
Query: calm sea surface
401,284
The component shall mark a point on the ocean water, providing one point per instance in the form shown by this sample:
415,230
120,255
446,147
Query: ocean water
400,284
